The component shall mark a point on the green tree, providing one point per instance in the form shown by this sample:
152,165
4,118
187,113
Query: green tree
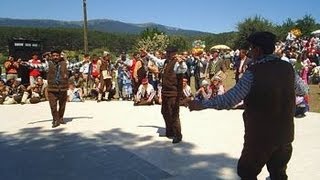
180,42
152,40
307,24
150,32
250,25
287,25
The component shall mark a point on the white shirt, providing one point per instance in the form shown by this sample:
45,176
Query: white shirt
179,68
142,90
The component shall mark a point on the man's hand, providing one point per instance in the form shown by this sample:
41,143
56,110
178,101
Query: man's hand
195,106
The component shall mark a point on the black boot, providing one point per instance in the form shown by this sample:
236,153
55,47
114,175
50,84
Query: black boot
55,124
176,140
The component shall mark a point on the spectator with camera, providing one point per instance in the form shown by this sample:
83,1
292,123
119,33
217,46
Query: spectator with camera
11,66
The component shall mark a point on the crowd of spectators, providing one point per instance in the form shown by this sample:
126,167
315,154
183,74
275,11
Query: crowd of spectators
137,77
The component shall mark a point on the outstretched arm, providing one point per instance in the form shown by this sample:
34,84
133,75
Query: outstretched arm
230,98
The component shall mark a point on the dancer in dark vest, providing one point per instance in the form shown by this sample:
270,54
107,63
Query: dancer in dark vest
173,70
268,90
57,78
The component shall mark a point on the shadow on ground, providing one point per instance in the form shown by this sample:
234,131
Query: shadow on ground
66,119
38,153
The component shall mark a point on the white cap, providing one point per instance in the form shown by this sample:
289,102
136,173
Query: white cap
106,53
204,83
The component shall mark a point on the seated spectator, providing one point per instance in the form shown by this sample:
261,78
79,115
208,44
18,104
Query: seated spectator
158,97
187,94
204,92
77,80
301,106
94,92
74,94
42,85
4,91
16,91
31,95
145,94
112,91
217,86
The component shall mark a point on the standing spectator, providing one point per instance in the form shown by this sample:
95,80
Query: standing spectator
241,65
139,73
124,69
268,90
153,75
126,84
34,73
94,71
200,70
173,70
11,67
45,59
216,66
189,62
104,67
85,70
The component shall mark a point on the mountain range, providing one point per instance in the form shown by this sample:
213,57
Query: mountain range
104,25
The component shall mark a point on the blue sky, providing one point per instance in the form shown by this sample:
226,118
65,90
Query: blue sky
204,15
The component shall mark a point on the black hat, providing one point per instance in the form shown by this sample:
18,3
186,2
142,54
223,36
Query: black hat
265,40
171,49
55,51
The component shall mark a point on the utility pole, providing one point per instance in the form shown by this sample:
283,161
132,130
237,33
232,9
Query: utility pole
85,27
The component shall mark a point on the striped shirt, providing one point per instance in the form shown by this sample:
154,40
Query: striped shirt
179,68
236,94
44,66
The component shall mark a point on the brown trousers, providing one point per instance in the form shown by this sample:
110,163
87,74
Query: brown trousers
54,97
105,83
170,112
255,156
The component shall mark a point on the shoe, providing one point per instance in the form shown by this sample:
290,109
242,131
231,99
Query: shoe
168,136
62,122
176,140
98,101
55,124
300,115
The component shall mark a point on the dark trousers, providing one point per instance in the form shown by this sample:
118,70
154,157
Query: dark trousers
254,157
105,83
170,112
55,98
